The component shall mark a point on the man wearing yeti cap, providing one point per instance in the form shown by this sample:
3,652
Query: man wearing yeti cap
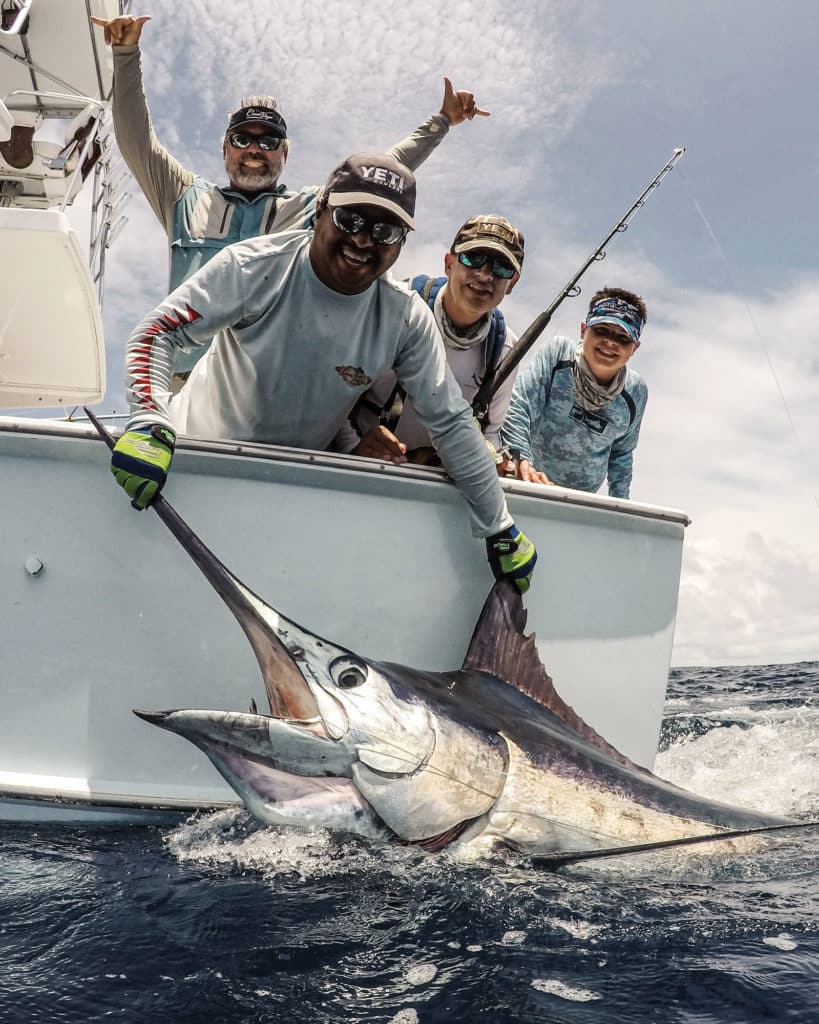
304,322
576,409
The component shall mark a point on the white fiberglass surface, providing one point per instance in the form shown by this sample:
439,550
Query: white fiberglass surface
48,298
68,51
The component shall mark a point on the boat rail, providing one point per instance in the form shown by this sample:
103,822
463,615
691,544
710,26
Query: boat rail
240,450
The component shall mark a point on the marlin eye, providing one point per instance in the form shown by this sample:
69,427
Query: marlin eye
348,673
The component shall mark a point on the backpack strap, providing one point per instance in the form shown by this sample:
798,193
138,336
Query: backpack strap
562,364
632,408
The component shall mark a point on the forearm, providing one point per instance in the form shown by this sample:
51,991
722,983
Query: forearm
346,439
467,460
208,302
149,357
516,429
619,473
161,177
417,147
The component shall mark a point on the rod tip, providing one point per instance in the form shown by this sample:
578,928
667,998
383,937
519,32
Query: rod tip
679,151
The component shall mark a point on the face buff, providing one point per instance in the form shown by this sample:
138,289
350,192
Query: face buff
460,337
589,393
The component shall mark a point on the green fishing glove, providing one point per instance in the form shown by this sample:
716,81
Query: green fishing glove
140,461
512,556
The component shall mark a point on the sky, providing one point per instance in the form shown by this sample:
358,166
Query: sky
587,103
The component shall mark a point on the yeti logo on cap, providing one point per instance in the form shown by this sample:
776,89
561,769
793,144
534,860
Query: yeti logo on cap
381,176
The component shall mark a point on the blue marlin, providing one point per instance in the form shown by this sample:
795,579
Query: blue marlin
487,755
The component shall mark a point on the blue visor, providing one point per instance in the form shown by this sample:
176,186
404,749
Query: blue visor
617,311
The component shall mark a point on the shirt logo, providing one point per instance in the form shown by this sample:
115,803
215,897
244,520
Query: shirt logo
354,376
592,420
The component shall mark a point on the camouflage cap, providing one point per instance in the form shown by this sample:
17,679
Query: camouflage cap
489,231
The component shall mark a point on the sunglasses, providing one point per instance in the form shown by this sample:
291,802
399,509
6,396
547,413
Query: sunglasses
382,232
242,140
476,260
611,334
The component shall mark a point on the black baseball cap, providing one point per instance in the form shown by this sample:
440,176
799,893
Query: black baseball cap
373,179
270,119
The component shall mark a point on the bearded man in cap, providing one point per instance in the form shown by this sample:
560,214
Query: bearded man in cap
303,323
482,267
201,218
576,410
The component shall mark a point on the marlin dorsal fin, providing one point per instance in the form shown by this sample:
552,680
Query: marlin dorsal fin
500,648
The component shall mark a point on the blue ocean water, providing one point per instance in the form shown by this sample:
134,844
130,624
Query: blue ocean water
221,920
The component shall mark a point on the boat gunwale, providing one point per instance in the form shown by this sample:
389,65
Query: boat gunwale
81,429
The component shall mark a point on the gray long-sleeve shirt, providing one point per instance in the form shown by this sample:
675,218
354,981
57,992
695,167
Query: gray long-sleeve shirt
292,356
573,447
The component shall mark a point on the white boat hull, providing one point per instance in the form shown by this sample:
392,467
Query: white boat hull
374,557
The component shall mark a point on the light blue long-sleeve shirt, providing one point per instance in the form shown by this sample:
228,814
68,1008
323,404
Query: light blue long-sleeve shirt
573,447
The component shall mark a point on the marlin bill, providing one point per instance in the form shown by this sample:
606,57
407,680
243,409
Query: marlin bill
487,755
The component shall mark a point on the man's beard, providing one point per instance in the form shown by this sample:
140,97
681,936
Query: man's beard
253,181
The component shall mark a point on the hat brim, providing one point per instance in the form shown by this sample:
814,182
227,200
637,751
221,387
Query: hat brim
370,199
627,327
488,243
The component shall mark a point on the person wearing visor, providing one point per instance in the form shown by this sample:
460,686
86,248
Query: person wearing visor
201,218
481,268
576,409
303,323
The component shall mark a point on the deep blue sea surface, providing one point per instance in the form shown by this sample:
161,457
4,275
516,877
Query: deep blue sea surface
221,920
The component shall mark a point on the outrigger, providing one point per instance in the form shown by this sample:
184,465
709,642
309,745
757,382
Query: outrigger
87,585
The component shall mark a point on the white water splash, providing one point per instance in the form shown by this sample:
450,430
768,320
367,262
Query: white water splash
421,974
577,929
769,767
230,839
557,988
408,1016
781,941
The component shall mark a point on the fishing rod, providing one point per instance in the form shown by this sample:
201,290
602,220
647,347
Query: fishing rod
493,381
558,860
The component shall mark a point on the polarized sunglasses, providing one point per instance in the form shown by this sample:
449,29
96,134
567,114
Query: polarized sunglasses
242,140
476,260
382,232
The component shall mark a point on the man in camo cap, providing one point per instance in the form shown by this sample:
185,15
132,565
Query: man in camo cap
482,267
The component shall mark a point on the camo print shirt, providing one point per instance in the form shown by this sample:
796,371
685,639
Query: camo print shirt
292,357
573,447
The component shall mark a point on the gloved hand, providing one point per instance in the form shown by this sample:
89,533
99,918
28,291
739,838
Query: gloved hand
512,556
141,460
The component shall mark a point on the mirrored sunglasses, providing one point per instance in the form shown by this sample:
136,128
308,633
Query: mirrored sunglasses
476,260
382,232
242,140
